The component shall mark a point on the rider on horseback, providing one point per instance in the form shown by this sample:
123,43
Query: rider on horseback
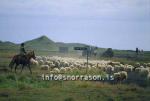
22,50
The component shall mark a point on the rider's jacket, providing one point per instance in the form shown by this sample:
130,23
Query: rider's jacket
22,50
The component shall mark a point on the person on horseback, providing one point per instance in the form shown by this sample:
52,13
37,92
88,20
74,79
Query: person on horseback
23,59
22,50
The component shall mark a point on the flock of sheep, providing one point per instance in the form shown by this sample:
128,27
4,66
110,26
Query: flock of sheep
120,71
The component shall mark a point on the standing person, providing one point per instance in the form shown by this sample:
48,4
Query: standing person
137,51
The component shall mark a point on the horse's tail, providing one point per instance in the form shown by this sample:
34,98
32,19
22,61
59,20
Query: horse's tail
11,63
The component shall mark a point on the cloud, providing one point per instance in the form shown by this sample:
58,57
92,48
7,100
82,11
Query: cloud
118,9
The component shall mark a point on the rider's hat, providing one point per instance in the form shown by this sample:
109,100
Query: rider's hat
22,44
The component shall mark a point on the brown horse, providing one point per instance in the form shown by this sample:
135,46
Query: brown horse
22,60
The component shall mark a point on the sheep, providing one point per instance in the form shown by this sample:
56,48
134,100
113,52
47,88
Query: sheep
44,58
56,70
48,62
148,64
148,77
72,66
62,70
120,76
116,68
68,69
144,72
94,66
89,67
51,65
56,63
75,69
45,67
137,64
109,69
34,62
38,58
141,66
137,70
41,62
129,68
145,64
114,63
117,76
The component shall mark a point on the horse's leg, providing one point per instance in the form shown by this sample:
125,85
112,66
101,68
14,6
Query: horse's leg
16,67
11,68
30,68
22,68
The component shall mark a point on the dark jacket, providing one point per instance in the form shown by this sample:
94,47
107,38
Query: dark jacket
22,50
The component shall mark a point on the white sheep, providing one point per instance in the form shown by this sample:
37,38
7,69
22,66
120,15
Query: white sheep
148,77
75,69
94,66
56,70
62,70
117,77
44,58
68,69
148,64
137,64
45,67
117,68
120,76
145,64
48,62
114,63
34,62
137,70
109,69
52,65
144,72
141,66
41,62
129,68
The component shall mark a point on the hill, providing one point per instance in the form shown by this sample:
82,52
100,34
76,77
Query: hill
8,45
42,43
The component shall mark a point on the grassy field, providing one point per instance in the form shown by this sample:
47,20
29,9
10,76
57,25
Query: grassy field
27,87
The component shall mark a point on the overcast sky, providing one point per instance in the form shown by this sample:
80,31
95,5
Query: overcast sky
119,24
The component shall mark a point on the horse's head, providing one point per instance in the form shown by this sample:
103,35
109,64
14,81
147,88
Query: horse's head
31,55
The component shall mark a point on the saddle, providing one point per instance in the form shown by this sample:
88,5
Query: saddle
22,56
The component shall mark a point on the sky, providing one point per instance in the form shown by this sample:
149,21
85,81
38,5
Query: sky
117,24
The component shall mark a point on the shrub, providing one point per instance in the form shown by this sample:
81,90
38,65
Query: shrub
108,53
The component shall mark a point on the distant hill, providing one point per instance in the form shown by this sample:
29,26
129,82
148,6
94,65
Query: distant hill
42,43
8,45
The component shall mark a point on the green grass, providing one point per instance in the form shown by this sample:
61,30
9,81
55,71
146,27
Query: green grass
77,91
16,87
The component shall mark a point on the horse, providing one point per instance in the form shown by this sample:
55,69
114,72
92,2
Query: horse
22,60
